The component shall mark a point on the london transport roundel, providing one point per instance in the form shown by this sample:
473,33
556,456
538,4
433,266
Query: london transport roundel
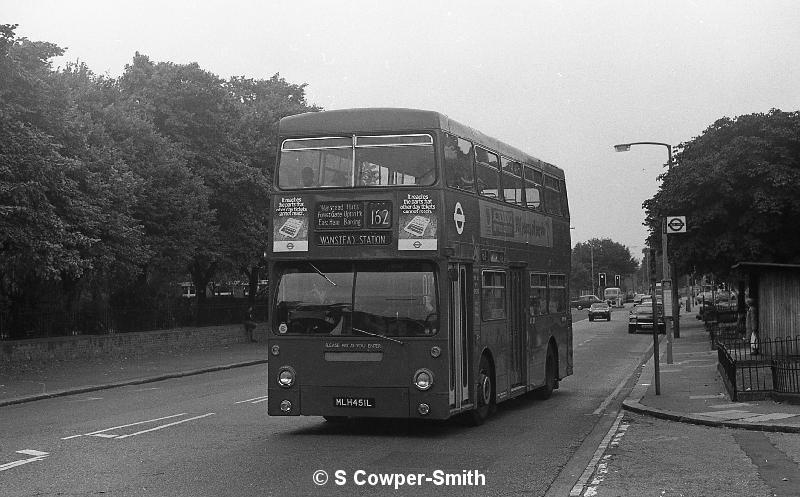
459,218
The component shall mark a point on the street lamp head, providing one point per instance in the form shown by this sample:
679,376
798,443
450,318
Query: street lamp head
623,147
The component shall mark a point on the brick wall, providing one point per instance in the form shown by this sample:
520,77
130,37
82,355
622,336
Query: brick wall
86,346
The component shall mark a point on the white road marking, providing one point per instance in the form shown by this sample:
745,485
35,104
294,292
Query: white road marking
610,397
37,456
31,452
577,490
164,426
257,399
124,426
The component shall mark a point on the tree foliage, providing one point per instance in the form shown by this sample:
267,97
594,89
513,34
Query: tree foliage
118,188
600,256
738,184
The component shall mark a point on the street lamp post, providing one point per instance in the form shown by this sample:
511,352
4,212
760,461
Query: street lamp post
591,253
669,271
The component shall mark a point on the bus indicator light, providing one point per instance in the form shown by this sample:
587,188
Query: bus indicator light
436,351
286,406
424,409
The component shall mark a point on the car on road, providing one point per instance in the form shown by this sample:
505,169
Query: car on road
600,310
585,301
637,299
648,300
641,318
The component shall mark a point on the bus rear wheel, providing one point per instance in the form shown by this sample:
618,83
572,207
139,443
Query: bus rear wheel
550,376
485,400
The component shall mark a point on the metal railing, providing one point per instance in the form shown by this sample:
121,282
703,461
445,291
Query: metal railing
773,368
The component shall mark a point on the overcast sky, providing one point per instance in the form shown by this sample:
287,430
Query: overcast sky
563,81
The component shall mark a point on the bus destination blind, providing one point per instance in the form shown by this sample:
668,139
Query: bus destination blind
353,223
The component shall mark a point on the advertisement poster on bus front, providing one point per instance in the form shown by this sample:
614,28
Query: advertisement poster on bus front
418,229
290,225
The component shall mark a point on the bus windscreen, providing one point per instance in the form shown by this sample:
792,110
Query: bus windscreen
359,161
357,299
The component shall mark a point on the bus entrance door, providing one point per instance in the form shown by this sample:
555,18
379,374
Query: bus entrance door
517,325
459,335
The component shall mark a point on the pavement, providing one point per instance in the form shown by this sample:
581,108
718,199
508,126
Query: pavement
691,390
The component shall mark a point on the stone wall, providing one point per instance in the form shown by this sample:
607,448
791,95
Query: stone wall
122,344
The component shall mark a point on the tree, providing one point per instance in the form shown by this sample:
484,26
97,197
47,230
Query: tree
65,200
261,104
605,256
226,131
738,184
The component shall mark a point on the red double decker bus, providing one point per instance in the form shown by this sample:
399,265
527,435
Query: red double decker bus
418,269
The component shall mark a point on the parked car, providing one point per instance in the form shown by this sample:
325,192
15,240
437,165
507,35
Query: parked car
600,310
648,300
637,299
584,301
641,318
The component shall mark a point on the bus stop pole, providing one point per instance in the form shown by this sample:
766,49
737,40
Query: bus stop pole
667,277
656,355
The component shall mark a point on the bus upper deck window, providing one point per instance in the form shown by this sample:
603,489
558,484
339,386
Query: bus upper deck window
488,165
342,162
389,160
458,163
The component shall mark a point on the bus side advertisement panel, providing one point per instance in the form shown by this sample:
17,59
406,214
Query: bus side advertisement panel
516,225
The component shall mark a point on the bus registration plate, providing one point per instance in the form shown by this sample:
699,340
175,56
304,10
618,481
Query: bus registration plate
358,402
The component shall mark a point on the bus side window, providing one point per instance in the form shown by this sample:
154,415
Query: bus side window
558,293
564,203
458,163
538,294
511,179
488,173
533,192
552,195
493,295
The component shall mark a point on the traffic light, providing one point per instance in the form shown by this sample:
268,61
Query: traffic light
617,280
601,278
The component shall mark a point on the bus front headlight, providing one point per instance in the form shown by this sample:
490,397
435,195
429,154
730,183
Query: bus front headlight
423,379
286,376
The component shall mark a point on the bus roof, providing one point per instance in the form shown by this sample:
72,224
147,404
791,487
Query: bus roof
396,119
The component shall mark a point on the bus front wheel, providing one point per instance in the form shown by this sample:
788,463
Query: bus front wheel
485,400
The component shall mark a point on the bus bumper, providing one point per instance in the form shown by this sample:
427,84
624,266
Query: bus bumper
376,402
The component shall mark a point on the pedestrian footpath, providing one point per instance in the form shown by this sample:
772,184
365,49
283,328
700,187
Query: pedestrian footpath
53,379
692,390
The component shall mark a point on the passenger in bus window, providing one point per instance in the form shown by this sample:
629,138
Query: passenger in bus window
307,177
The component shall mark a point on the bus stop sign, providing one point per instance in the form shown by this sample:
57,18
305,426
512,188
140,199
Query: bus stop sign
676,224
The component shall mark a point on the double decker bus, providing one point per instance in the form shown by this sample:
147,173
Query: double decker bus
417,269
